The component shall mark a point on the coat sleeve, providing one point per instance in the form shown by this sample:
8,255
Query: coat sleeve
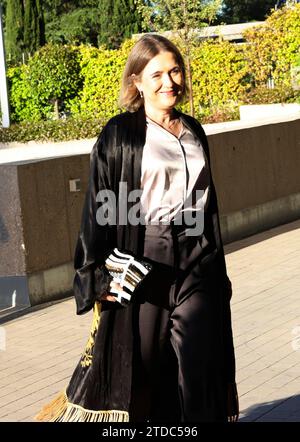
94,241
217,230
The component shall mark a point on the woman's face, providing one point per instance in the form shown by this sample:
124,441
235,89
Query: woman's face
161,82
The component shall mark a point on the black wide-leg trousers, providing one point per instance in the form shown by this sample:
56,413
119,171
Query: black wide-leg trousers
179,327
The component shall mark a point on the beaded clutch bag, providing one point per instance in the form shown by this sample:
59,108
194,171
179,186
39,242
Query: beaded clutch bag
128,271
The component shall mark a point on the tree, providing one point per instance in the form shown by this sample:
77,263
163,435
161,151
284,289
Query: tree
55,8
34,27
72,22
75,27
24,30
183,18
3,3
14,31
54,76
119,19
235,11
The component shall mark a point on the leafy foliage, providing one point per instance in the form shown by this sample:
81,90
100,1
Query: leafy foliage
119,19
24,28
182,16
34,26
14,35
3,3
78,26
95,22
101,70
51,75
274,47
235,11
86,80
61,130
220,74
263,95
23,106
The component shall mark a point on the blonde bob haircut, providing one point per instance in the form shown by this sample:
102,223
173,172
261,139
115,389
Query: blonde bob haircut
142,52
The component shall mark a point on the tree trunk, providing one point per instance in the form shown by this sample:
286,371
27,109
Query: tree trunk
190,84
56,111
186,44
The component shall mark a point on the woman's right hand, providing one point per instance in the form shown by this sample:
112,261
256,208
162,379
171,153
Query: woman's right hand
107,296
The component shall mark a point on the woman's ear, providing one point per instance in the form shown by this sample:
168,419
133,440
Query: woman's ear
136,82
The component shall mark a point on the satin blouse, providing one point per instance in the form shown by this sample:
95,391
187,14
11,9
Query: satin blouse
174,175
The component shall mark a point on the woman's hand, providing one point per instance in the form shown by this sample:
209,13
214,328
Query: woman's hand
107,296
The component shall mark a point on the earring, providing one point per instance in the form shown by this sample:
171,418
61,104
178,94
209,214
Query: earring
141,94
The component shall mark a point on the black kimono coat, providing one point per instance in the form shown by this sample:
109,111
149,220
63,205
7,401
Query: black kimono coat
117,156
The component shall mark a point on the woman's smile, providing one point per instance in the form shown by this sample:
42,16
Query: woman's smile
168,92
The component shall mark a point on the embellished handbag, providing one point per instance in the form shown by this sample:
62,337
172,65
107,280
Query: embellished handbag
128,271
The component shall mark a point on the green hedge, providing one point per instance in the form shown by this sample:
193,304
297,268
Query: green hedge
274,47
61,130
220,77
101,70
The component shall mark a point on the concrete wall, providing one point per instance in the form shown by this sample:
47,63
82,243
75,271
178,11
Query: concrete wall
256,173
12,256
39,224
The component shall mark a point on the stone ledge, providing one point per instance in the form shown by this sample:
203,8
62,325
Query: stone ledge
252,220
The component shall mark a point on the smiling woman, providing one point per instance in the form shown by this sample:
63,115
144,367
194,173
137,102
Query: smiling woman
168,355
144,66
161,88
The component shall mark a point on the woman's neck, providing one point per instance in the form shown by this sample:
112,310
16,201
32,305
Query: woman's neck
162,117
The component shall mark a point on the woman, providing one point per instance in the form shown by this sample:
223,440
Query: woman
169,355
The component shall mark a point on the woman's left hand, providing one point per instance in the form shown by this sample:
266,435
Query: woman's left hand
107,296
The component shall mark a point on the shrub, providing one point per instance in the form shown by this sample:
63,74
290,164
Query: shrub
219,113
55,130
41,89
264,95
274,47
23,106
101,70
220,75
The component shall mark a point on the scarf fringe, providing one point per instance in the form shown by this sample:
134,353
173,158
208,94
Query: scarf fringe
61,410
54,409
87,356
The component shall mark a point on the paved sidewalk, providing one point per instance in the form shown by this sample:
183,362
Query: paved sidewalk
43,347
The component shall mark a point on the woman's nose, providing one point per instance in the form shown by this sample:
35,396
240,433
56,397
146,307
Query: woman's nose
167,80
